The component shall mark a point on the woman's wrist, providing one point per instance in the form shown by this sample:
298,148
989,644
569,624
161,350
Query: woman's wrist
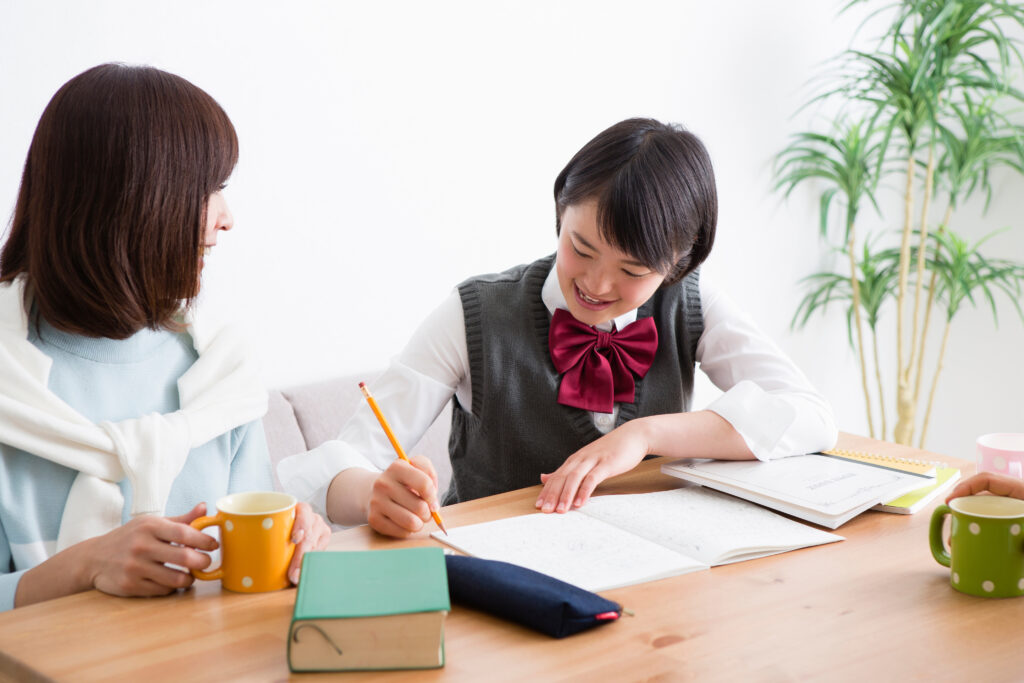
81,561
69,571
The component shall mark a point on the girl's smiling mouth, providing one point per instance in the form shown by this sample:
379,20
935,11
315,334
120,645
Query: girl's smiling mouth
589,302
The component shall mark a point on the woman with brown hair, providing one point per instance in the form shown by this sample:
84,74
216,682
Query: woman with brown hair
117,407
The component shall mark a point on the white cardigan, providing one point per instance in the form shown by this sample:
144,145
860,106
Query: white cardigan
219,392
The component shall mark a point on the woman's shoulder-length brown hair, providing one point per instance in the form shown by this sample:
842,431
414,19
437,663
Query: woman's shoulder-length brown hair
108,224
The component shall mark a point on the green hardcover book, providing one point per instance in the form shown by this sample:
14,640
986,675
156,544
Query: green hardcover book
374,609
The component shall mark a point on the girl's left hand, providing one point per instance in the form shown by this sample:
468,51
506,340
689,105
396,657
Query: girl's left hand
571,484
310,532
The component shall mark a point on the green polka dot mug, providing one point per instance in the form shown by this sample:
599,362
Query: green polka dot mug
986,545
255,541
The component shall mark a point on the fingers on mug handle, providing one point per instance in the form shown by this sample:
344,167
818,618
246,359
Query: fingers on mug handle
202,523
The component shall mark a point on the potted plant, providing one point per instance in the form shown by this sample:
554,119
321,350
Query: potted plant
927,106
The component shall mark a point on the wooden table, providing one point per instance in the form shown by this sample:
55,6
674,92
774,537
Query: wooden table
876,606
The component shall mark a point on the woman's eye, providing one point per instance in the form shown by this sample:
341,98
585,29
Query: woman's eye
578,252
632,274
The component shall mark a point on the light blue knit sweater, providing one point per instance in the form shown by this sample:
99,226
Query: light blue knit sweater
106,379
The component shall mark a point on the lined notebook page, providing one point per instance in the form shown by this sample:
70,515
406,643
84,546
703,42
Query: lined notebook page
712,527
573,547
619,540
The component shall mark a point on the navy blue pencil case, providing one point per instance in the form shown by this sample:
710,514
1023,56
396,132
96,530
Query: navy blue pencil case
537,601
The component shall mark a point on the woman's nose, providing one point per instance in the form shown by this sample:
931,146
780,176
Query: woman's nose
225,219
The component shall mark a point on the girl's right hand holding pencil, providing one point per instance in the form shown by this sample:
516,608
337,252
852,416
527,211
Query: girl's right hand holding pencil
405,495
401,497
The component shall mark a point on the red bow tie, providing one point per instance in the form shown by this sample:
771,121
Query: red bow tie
597,367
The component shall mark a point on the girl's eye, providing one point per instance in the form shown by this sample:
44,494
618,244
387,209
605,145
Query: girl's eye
578,252
632,274
223,187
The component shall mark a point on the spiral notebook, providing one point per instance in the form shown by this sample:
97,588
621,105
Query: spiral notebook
891,462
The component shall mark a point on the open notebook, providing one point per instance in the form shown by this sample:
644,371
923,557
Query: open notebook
619,540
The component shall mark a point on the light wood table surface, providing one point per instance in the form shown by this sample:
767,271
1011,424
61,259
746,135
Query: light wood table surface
873,607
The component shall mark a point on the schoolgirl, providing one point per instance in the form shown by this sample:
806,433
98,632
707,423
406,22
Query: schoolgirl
573,368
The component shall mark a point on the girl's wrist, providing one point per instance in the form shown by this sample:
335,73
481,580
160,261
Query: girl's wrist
348,496
644,430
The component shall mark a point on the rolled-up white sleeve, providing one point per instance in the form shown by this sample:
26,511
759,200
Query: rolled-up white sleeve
307,476
411,393
766,399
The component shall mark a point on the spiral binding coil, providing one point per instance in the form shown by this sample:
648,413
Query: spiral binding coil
893,461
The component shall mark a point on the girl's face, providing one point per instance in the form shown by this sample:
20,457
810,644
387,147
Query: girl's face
599,282
218,217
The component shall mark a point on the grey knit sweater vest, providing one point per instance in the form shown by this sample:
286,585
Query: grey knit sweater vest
516,429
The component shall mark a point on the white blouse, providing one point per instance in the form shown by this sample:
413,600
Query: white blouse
767,399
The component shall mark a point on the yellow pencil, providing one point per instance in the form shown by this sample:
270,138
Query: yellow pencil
394,441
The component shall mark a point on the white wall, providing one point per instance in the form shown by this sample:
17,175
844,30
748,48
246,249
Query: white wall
391,149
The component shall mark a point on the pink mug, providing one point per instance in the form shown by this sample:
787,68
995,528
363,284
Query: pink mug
1002,454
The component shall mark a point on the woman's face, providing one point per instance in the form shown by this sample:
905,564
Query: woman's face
218,217
599,282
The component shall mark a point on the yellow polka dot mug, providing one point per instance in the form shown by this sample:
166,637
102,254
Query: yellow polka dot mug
255,541
986,545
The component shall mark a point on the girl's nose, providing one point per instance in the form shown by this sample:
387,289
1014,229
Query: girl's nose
598,282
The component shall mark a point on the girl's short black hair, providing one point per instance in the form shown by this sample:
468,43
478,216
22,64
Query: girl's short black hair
655,192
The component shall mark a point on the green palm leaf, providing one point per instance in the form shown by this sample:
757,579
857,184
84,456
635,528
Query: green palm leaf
877,274
842,162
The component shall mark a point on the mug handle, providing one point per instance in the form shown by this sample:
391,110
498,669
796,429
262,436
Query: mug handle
939,551
202,523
